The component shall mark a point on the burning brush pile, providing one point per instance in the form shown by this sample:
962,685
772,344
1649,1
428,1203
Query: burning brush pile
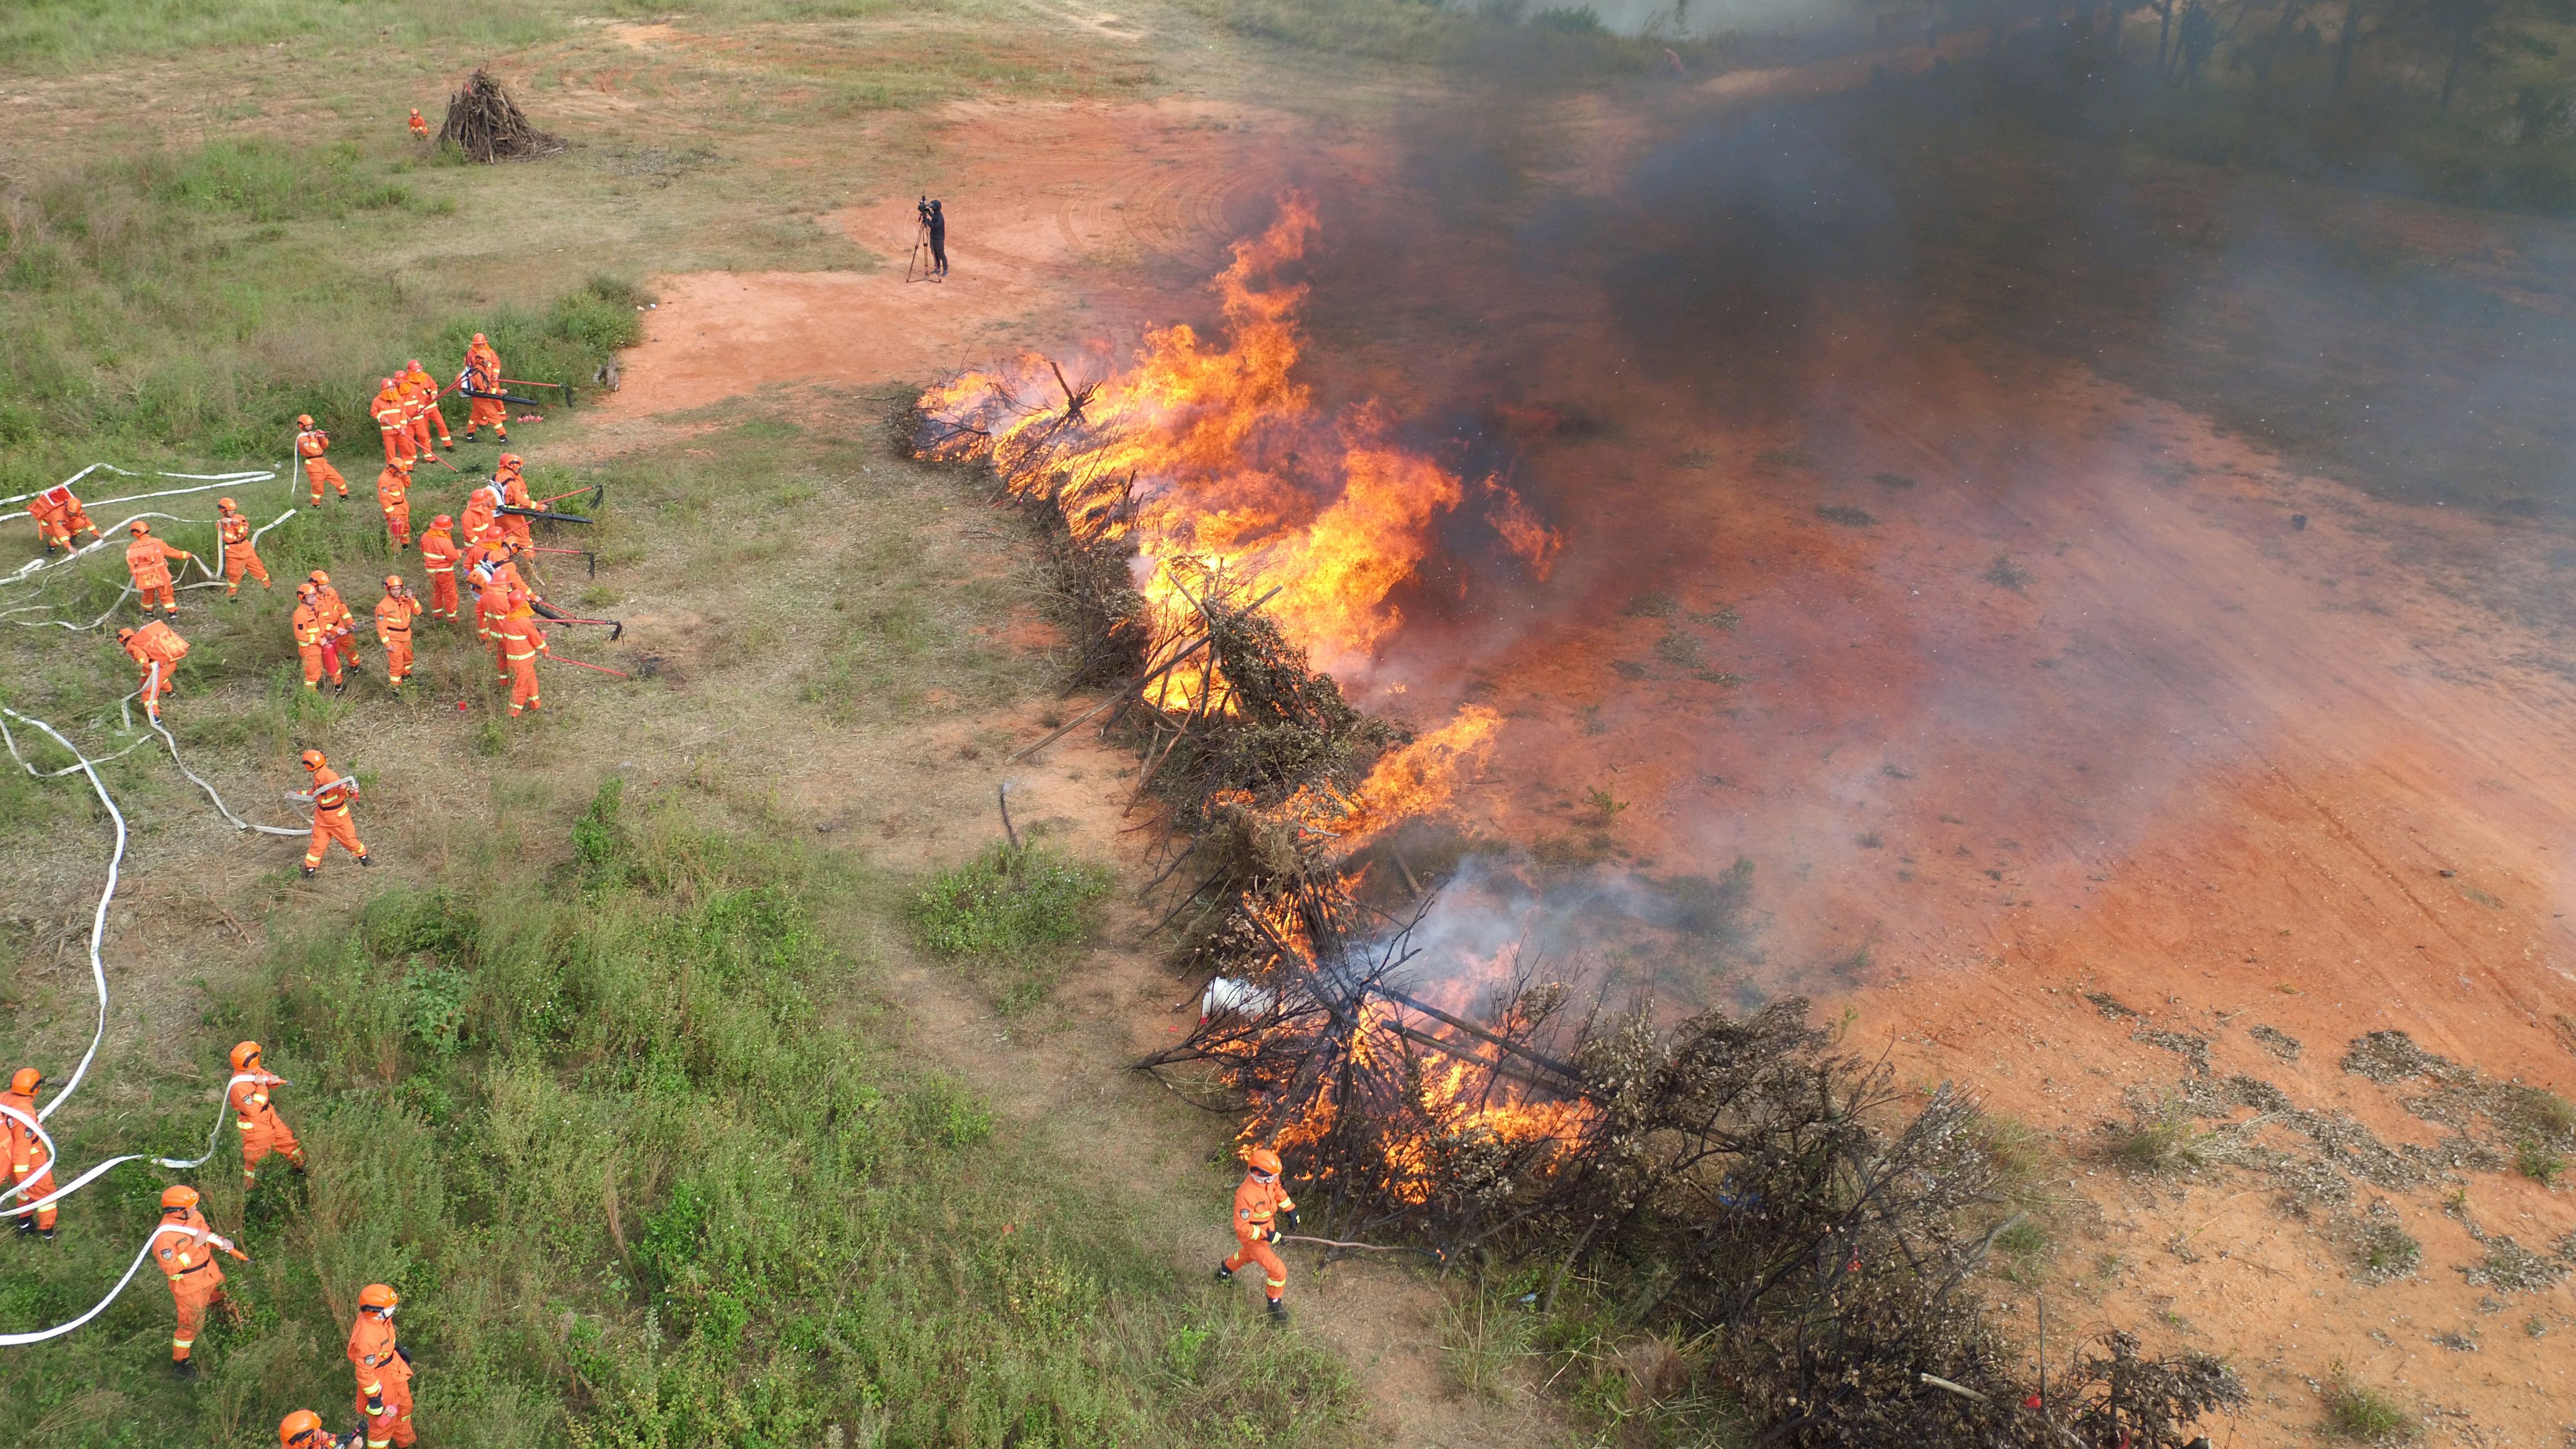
1218,543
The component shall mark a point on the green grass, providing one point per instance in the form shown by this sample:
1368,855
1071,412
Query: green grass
1024,910
2162,1143
646,1175
193,302
2358,1411
1562,42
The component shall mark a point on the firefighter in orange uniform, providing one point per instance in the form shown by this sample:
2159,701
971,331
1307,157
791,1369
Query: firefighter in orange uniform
393,422
393,495
424,410
419,127
262,1131
148,559
340,624
383,1369
438,555
303,1430
482,512
31,1167
312,641
523,638
59,517
514,492
331,795
310,444
156,649
483,374
241,556
184,1247
1256,1202
394,613
498,593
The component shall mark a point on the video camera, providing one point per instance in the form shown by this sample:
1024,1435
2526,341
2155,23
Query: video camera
922,210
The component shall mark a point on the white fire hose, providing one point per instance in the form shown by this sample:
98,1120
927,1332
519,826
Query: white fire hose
14,1340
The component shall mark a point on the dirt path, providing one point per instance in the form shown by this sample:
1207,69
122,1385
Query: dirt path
1063,1070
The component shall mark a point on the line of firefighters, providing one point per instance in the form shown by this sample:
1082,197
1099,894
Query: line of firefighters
184,1247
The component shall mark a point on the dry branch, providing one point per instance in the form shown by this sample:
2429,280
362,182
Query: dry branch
487,126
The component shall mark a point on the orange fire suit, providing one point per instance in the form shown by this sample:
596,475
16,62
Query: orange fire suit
498,595
184,1247
332,793
393,495
261,1129
393,422
514,492
485,365
339,625
157,649
59,515
393,630
240,555
28,1161
311,635
311,444
438,555
425,388
1254,1204
523,639
148,559
384,1381
419,127
482,512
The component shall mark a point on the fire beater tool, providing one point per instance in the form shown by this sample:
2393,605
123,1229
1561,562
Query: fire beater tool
586,555
549,516
525,402
564,388
1434,1254
599,488
616,627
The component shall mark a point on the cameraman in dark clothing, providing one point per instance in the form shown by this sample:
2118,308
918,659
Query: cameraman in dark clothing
936,219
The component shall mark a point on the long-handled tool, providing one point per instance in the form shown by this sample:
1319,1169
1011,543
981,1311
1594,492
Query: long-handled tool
501,397
597,668
564,388
545,514
587,556
1434,1254
552,615
599,488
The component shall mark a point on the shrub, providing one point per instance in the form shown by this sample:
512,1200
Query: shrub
1024,909
2357,1411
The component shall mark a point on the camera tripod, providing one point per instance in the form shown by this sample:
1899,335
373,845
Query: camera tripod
920,262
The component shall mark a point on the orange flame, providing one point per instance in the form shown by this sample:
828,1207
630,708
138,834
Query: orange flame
1214,461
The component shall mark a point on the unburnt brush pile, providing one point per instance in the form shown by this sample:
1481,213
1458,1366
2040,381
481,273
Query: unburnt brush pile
484,123
1741,1181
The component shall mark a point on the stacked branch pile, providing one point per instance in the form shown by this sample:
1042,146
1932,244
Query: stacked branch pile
484,123
1739,1181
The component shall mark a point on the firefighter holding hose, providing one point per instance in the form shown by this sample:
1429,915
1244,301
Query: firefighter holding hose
184,1246
262,1131
31,1167
1257,1203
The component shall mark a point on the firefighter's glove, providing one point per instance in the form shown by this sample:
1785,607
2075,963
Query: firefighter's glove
1291,1215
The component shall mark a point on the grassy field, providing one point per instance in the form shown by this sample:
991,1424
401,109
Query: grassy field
647,1171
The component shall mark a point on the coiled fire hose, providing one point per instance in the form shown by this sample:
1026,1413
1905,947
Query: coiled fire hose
98,922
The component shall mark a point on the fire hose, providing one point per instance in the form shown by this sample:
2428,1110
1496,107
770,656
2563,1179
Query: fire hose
15,1340
220,807
98,922
212,481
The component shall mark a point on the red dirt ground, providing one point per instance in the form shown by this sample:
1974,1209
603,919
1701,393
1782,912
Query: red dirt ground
2202,761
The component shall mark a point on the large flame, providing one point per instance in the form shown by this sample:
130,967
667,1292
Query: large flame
1214,462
